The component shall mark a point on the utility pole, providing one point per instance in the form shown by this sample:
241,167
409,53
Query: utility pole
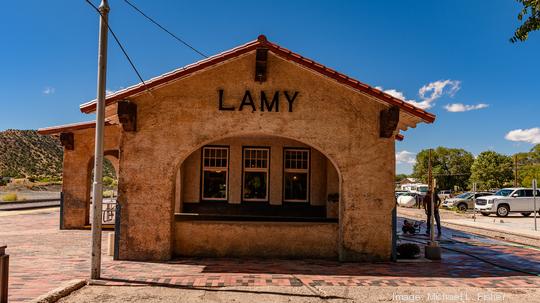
432,250
95,263
431,189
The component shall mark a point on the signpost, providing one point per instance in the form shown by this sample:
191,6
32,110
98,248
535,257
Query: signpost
535,188
474,200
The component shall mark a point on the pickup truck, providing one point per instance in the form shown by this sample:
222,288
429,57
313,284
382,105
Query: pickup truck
508,200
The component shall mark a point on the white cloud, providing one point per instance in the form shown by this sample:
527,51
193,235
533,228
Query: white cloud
531,135
459,107
437,89
49,90
405,157
108,92
428,93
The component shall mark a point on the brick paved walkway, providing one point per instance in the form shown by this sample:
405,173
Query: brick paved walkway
42,257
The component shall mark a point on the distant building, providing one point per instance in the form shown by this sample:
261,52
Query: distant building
257,151
408,181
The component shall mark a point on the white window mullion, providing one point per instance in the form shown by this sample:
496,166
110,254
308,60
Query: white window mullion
255,160
215,168
296,175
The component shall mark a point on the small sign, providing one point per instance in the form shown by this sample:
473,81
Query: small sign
474,187
534,186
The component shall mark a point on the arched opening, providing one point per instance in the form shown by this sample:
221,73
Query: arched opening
257,195
258,175
110,188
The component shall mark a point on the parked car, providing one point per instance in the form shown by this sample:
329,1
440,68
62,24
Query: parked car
508,200
400,193
407,200
445,194
465,200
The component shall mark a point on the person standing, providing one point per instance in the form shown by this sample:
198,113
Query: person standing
437,216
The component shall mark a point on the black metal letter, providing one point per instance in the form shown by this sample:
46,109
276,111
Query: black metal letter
247,100
269,107
290,99
221,106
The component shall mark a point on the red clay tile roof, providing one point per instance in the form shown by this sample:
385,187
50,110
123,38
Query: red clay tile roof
68,127
276,49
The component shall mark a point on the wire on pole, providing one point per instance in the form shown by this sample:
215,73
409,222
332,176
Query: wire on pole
120,45
166,30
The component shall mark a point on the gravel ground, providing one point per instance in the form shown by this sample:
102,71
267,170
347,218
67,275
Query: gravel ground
275,294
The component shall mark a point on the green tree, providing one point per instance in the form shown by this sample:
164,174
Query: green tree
528,166
491,170
451,167
400,177
531,13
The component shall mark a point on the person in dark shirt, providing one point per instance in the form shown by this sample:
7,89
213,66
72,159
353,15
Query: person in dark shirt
437,216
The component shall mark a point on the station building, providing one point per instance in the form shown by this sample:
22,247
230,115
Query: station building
256,152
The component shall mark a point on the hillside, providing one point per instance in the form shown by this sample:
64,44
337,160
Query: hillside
25,153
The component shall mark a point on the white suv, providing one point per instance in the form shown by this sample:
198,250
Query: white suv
508,200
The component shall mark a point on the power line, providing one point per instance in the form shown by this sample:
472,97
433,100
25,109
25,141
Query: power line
120,45
163,28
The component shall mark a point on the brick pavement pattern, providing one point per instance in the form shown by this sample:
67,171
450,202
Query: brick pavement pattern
42,257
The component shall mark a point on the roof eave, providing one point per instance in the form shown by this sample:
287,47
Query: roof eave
425,116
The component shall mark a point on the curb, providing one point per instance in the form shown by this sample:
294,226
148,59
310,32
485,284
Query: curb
62,291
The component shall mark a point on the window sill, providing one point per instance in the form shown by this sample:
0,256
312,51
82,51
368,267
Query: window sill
248,218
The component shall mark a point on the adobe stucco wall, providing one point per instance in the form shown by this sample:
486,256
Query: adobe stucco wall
191,170
78,166
256,239
177,119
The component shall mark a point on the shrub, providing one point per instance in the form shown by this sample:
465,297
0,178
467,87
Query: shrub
44,180
108,181
408,251
9,197
108,193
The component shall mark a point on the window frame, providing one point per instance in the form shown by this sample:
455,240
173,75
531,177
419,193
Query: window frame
267,170
203,169
307,171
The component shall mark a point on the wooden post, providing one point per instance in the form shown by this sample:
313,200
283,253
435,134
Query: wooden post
432,250
4,274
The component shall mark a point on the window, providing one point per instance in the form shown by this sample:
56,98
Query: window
215,173
296,175
520,193
530,193
256,164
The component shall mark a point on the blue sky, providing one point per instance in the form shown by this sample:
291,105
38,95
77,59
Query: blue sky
49,52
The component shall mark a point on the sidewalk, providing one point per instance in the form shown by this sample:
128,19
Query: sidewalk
43,257
497,224
491,226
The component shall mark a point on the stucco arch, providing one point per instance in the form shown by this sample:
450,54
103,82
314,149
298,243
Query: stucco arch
208,141
247,138
113,155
